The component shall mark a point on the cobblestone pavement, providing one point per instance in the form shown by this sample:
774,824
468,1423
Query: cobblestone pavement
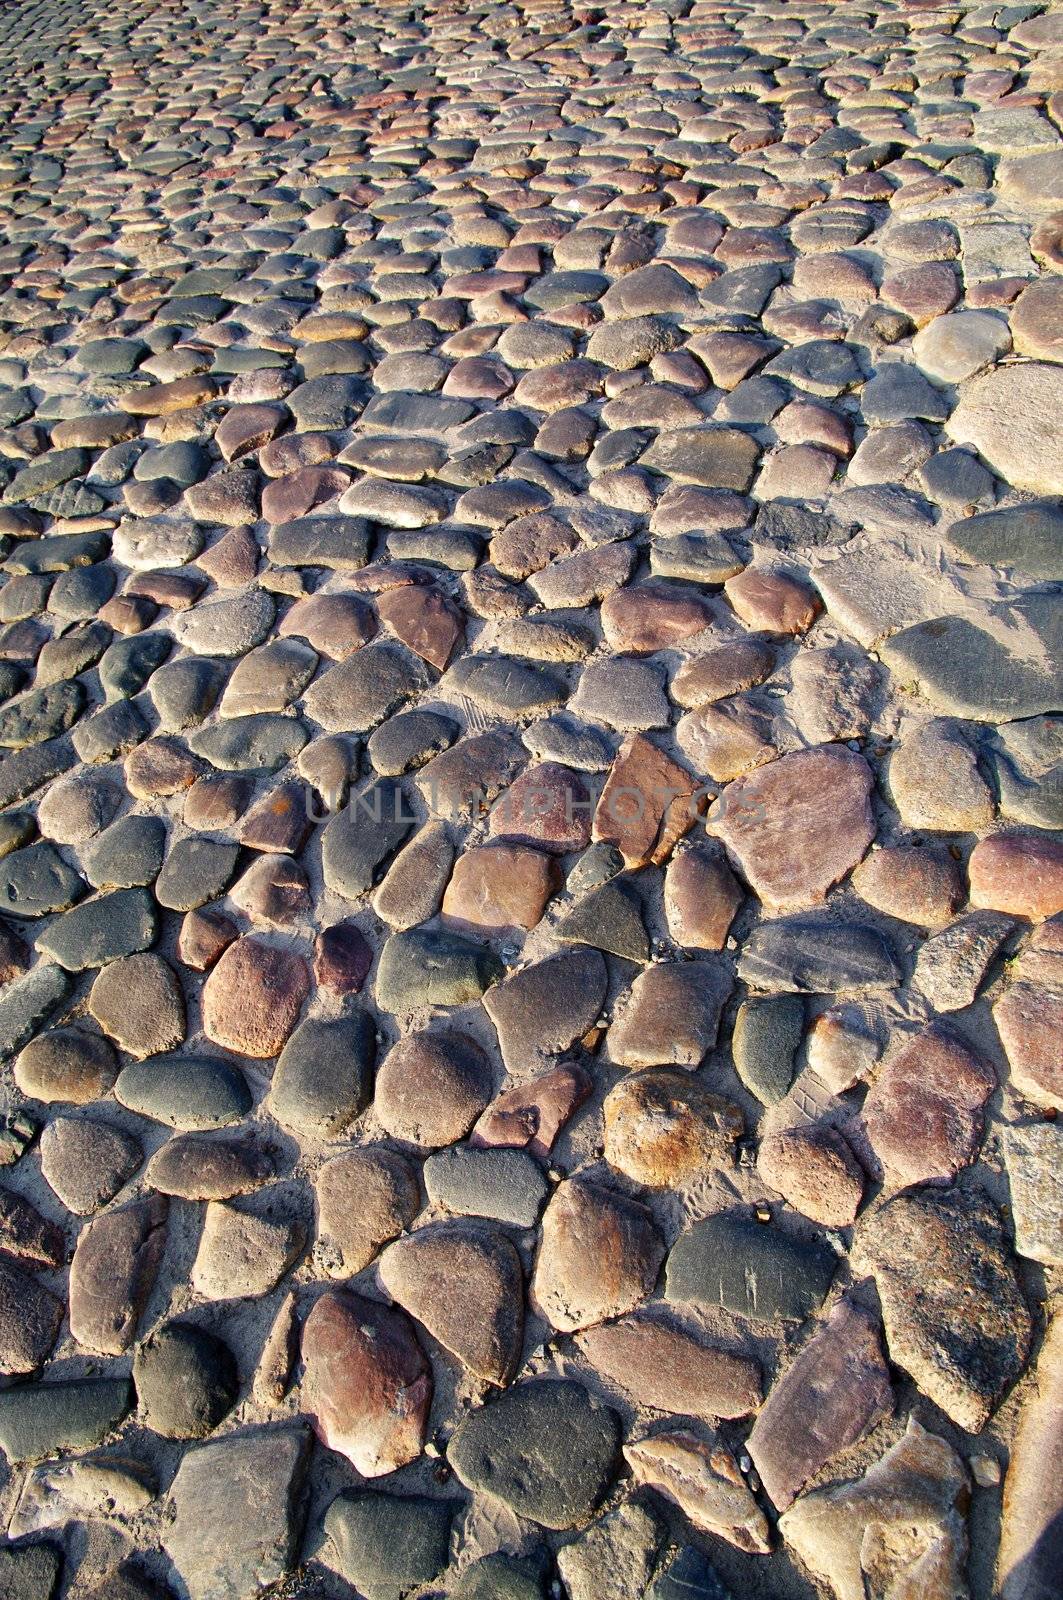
531,861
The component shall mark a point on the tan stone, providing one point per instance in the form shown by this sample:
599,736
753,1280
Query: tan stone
915,885
253,997
725,740
702,1478
723,671
900,1530
664,1128
671,1016
1020,873
771,602
1030,1557
365,1198
701,896
599,1256
653,616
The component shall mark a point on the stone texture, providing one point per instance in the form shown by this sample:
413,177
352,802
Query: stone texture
599,1257
923,1115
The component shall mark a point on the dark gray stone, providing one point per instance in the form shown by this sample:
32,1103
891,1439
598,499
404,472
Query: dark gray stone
37,880
824,367
1028,538
28,1003
186,1092
898,392
41,714
749,1267
408,740
506,685
250,744
323,1077
37,1419
799,956
102,930
186,1381
339,543
506,1185
501,1577
361,838
196,870
547,1450
184,692
610,919
114,731
126,855
689,1576
127,664
429,967
384,1545
29,1572
767,1035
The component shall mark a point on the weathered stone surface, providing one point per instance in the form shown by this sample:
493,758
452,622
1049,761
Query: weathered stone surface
1032,1156
903,1522
799,825
954,1314
531,1115
366,1382
192,1168
703,1479
138,1003
648,803
816,1171
764,1041
615,1557
1028,1558
431,1087
672,1015
912,884
923,1115
599,1257
464,1283
834,1392
661,1365
85,1162
188,1092
542,1009
664,1129
112,1273
66,1064
365,1198
500,886
799,956
952,965
547,1450
253,996
244,1254
237,1512
1018,873
37,1419
755,1270
186,1381
701,896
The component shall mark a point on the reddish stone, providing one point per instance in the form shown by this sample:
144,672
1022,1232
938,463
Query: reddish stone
216,801
923,1115
203,937
653,616
925,291
273,892
832,1395
113,1272
232,560
247,428
431,1087
529,543
1018,873
334,624
342,958
426,621
648,803
772,602
159,767
723,671
176,590
495,887
798,825
280,820
367,1384
296,494
701,896
531,1115
548,805
662,1366
252,999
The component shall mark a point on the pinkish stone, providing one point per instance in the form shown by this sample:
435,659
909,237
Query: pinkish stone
672,1015
463,1281
367,1384
653,616
662,1366
204,935
531,1115
832,1395
726,740
247,428
336,625
113,1272
1021,873
923,1115
814,1169
548,805
701,896
771,602
426,621
726,670
342,958
702,1478
915,885
798,825
648,803
253,997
